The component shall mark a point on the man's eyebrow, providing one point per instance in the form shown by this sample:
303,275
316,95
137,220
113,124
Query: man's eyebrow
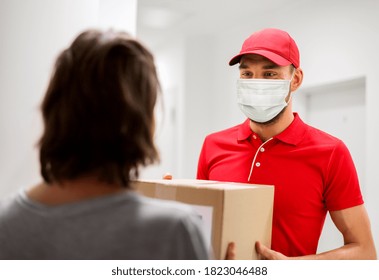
271,66
243,66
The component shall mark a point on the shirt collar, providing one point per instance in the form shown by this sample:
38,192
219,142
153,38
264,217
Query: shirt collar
244,131
292,135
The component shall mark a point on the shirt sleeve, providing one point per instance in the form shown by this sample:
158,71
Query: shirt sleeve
342,188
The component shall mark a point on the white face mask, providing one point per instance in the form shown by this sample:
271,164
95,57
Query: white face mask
261,100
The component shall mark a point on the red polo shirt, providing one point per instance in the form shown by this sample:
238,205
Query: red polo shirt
311,170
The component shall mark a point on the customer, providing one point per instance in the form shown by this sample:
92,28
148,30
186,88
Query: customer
98,115
312,171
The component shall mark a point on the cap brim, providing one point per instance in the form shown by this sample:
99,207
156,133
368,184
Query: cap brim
277,59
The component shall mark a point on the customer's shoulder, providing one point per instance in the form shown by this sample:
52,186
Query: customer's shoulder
8,204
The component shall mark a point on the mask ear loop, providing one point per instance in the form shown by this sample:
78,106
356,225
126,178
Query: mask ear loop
290,92
293,75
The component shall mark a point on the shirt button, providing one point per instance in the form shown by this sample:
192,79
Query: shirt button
254,136
262,150
258,164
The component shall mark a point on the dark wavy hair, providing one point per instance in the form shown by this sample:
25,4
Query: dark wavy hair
98,110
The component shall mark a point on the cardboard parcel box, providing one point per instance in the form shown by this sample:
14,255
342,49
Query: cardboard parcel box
230,211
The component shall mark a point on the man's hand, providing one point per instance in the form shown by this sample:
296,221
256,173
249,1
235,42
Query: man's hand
231,251
267,254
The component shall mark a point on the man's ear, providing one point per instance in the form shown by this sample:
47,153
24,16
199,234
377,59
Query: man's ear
297,79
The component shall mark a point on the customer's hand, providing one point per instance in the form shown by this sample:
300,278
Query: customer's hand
167,176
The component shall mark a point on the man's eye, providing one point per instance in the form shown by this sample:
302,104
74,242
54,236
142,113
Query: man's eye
246,74
270,74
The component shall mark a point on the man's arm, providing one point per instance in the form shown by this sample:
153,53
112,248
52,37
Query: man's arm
354,225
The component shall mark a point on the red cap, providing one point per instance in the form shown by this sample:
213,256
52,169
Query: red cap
274,44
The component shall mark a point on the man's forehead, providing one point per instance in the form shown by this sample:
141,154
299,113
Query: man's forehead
255,59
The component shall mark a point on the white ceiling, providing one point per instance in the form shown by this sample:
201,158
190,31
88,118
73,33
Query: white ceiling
156,18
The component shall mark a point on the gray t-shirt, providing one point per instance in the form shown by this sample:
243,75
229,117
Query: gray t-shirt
118,226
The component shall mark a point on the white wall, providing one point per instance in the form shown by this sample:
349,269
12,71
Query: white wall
33,32
170,110
338,41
